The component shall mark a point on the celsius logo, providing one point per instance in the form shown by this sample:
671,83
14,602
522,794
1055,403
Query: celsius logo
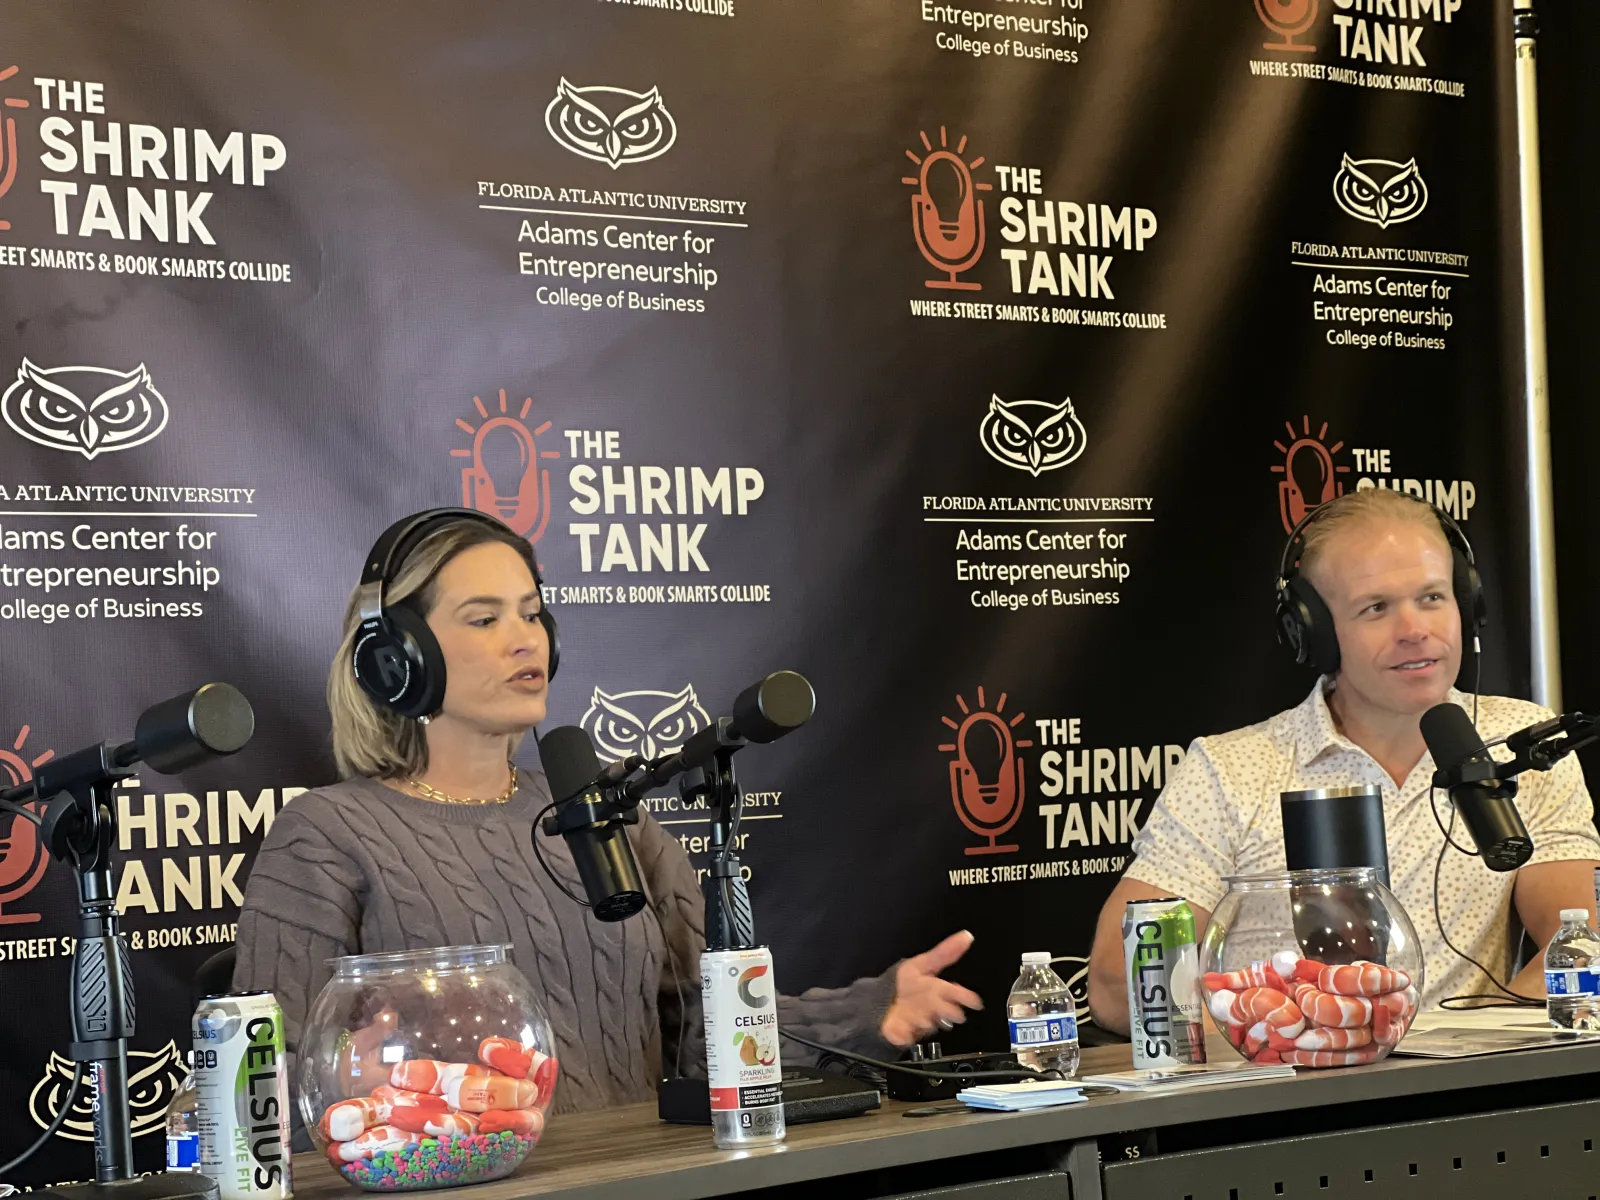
1380,191
22,855
84,410
154,1077
1288,19
986,775
8,141
611,125
649,724
505,478
748,998
1310,476
946,211
1032,435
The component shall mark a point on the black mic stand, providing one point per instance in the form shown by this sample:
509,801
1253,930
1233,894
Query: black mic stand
79,827
730,921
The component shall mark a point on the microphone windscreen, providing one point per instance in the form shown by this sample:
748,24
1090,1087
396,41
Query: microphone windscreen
570,764
185,730
1451,739
780,703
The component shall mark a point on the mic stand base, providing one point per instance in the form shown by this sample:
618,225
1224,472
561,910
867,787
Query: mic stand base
169,1185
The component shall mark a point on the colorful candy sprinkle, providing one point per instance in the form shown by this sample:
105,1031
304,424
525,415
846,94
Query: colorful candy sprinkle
440,1162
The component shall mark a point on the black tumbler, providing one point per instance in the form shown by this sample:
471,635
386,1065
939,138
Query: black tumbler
1332,828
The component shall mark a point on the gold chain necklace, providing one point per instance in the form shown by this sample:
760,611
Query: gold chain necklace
428,792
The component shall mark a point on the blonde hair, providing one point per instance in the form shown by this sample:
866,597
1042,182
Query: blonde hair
368,738
1363,507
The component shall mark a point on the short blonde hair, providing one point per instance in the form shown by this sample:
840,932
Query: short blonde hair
368,738
1363,507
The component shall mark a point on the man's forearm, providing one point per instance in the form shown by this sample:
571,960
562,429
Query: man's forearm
1530,980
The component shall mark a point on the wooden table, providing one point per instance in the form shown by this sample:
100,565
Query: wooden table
1463,1110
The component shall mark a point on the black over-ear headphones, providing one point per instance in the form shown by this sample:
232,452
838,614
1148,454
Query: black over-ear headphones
1305,625
397,659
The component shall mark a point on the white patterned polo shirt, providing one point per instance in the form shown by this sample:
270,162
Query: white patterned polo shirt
1219,815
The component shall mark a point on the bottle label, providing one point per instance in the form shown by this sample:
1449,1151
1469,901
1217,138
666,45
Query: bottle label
1049,1029
183,1151
1581,981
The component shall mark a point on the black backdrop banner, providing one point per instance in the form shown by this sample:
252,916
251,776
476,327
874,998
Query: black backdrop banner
970,356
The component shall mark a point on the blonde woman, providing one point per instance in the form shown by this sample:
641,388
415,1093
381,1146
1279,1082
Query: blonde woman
426,841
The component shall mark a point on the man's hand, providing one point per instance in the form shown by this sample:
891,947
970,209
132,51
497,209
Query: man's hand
1540,893
922,1001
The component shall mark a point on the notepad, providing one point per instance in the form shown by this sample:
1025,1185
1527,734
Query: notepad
1020,1097
1167,1079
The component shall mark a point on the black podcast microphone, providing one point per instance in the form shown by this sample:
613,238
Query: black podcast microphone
1480,795
593,821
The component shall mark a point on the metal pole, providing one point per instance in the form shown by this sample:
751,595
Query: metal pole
1545,626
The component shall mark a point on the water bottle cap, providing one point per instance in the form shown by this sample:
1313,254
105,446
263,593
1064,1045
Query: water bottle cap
1567,914
1041,958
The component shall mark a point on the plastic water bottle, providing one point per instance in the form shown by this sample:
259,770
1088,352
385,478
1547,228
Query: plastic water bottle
1572,974
183,1127
1043,1017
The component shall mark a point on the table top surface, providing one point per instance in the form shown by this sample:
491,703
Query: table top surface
627,1154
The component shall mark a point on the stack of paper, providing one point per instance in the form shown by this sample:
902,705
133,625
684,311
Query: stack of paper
1020,1097
1164,1079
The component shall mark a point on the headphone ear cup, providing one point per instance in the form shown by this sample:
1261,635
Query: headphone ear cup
554,638
1291,631
1316,626
1468,587
399,664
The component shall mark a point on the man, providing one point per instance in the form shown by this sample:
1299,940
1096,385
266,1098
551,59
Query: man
1382,564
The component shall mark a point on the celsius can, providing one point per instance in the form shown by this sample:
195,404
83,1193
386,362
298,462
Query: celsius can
741,1009
242,1090
1165,1010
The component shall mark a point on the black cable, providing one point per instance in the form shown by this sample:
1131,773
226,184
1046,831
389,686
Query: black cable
539,854
1517,998
60,1118
1025,1072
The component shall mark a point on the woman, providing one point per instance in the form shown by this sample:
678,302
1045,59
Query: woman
426,842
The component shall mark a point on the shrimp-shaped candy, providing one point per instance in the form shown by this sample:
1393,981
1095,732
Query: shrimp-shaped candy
1357,979
1269,1006
364,1145
528,1122
390,1097
1257,974
1220,1001
1334,1012
1331,1058
431,1075
496,1091
433,1121
1317,1038
506,1056
543,1073
1267,1055
350,1118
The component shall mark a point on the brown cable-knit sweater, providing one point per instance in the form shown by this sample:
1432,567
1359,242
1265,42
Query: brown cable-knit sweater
359,868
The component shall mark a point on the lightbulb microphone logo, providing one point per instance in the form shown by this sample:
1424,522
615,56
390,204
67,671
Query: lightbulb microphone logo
505,478
946,211
1310,475
154,1077
1288,19
987,781
8,141
23,858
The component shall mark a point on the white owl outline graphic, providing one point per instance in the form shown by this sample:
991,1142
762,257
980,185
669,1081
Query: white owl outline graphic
154,1077
125,412
1032,435
641,129
1399,198
667,722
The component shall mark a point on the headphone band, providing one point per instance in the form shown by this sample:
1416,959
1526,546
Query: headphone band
1289,566
397,542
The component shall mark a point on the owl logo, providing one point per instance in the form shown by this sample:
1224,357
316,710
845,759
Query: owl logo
84,410
649,724
154,1077
1077,984
1399,197
1032,435
611,125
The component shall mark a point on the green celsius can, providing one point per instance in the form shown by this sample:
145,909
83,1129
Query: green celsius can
242,1090
1165,1010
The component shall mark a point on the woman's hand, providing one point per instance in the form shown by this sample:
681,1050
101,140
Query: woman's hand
922,1001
